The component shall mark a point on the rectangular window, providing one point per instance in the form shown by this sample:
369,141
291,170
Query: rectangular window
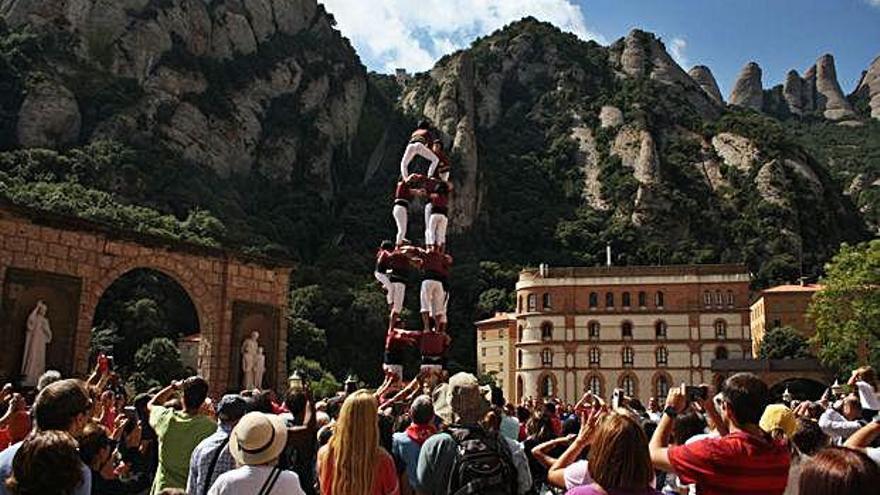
484,352
533,302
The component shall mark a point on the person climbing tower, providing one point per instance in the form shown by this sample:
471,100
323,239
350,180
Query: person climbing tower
382,268
435,275
445,166
400,264
419,141
396,342
403,194
435,234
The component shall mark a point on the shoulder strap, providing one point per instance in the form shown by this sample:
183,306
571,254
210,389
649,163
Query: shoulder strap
213,465
270,481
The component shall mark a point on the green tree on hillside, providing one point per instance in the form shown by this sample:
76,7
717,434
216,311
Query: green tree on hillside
847,310
783,343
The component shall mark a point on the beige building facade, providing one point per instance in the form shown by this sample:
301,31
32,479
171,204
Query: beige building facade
641,329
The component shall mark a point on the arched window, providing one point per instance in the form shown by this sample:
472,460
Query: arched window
594,300
721,353
519,358
707,298
519,304
720,329
658,299
629,385
547,301
629,356
660,329
643,299
626,300
609,299
546,357
595,356
594,384
546,331
661,388
593,330
547,386
730,299
533,302
662,356
626,329
718,301
519,333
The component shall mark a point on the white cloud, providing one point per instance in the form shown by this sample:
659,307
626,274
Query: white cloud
396,33
873,3
677,48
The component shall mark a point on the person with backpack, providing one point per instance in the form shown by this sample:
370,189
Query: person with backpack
256,443
467,458
212,457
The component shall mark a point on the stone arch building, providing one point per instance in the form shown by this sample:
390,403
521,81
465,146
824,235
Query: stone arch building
71,262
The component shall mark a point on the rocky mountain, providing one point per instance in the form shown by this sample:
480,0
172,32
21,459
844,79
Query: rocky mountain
868,91
207,79
748,91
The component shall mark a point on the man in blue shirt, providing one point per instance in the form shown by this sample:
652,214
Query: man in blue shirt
406,445
212,457
63,406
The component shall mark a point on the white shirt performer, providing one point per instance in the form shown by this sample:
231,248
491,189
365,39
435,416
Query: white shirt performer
418,145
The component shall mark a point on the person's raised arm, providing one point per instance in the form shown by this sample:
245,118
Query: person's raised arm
541,451
711,411
163,396
659,445
589,423
864,436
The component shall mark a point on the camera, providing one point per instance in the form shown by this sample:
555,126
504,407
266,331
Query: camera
696,393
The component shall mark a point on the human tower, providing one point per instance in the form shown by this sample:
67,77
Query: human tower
396,261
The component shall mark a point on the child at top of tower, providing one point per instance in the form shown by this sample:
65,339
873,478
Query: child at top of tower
418,145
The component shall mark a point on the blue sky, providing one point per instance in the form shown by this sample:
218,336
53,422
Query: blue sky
722,34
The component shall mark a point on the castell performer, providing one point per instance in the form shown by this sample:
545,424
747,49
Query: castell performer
403,194
435,275
418,145
433,347
400,264
396,342
382,267
445,166
435,232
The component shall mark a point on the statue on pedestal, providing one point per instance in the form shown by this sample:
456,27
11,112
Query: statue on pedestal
38,336
249,356
260,368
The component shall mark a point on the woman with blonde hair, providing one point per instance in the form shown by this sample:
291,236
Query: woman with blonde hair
619,459
353,463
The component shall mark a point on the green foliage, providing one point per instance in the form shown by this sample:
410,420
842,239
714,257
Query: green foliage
847,309
323,383
783,343
157,363
140,306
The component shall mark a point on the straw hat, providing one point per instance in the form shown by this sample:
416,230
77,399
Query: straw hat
258,438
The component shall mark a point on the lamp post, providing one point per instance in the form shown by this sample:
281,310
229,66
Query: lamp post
295,381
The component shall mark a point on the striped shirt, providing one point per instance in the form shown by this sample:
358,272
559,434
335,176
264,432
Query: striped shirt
738,463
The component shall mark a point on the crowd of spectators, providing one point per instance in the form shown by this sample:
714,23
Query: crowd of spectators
453,437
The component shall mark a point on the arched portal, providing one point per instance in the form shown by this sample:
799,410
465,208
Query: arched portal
799,388
140,305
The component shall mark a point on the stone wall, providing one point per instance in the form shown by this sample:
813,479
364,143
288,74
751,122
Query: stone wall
214,279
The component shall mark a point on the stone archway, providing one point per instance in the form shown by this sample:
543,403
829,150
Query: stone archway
43,250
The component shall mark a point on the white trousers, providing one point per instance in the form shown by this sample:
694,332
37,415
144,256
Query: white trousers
433,299
428,208
401,215
444,176
436,235
386,284
398,290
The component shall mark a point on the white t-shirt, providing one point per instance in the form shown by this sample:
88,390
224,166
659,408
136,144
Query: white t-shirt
577,474
868,396
249,479
874,453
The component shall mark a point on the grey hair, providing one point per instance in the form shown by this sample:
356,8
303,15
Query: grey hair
47,378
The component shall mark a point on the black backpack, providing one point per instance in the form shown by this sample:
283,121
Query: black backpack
483,464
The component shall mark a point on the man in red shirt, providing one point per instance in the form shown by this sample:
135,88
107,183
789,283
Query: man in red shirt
745,460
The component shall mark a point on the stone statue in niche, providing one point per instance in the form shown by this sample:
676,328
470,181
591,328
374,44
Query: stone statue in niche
249,357
38,336
260,368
